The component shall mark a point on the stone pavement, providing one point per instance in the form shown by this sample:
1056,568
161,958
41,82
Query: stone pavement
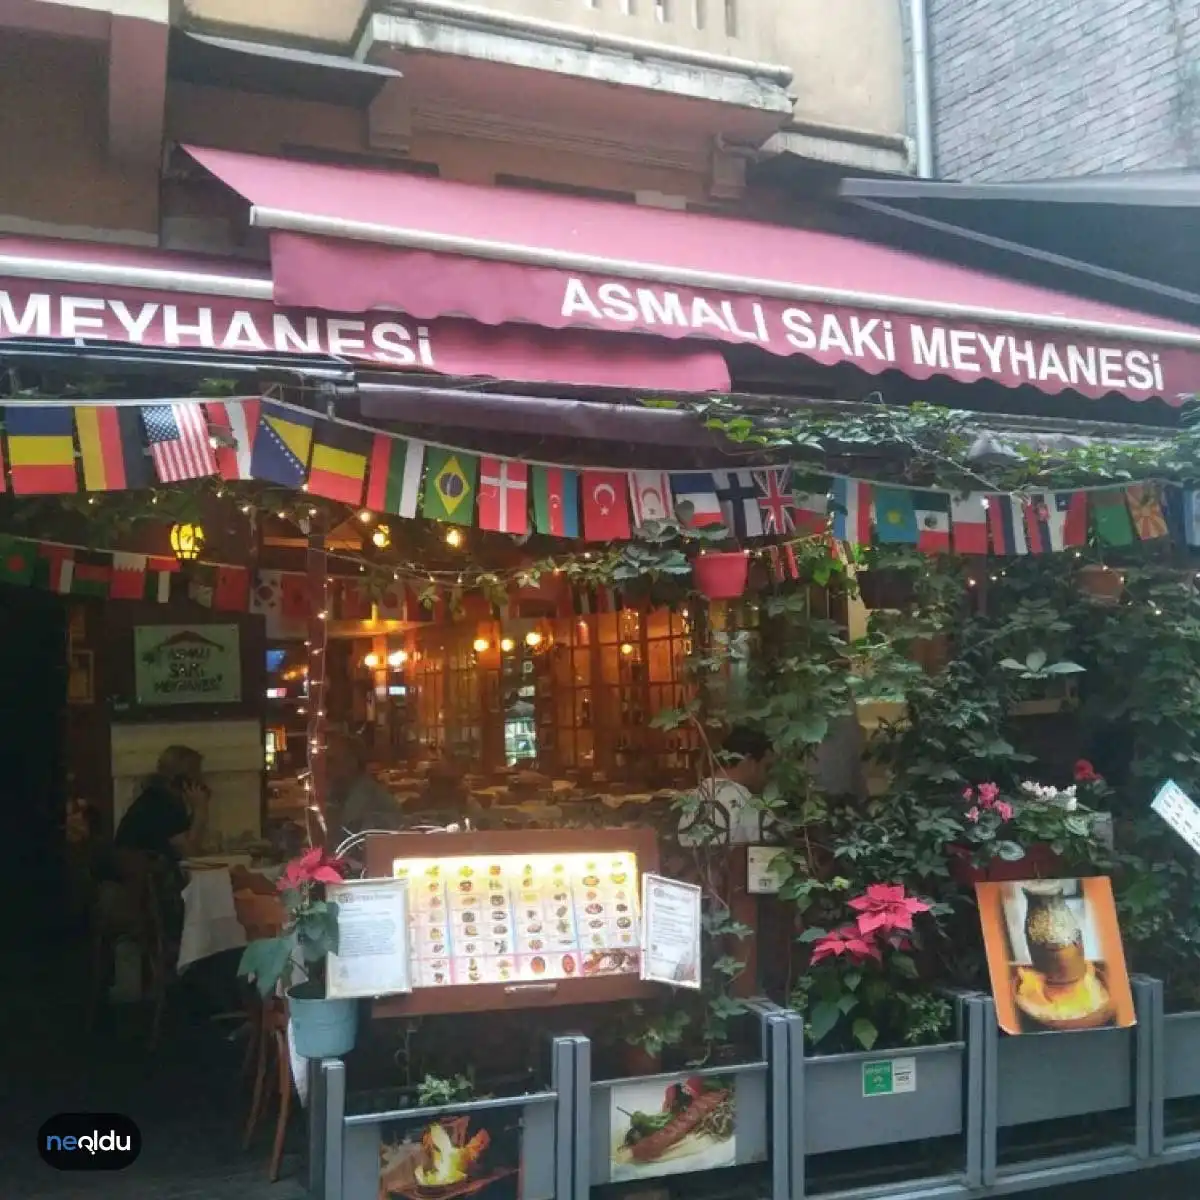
186,1099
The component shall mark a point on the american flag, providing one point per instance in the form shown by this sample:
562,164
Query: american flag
179,441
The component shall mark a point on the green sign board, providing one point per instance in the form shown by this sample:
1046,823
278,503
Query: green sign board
889,1077
187,664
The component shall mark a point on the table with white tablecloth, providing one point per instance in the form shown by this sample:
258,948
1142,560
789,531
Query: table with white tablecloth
210,923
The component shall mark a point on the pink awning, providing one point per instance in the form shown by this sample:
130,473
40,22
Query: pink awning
56,289
354,240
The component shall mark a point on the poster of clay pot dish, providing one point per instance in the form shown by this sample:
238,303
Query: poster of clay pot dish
1055,955
475,1155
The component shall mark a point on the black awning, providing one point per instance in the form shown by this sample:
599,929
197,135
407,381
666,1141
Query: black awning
275,70
1131,239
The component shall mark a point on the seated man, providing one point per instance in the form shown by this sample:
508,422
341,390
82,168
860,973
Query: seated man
357,801
722,808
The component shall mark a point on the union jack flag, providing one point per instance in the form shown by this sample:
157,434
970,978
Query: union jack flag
775,499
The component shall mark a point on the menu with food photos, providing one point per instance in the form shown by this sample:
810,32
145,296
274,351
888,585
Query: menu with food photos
522,918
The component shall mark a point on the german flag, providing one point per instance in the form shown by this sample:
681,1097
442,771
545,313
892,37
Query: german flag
110,446
338,470
41,448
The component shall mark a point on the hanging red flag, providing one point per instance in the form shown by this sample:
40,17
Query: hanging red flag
605,507
503,495
231,589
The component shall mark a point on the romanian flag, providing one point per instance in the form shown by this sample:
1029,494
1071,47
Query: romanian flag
339,462
41,448
281,445
110,446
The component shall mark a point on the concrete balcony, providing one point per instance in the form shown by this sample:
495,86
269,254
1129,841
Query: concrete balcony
686,84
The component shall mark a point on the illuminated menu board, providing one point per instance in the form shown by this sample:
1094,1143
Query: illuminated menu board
522,918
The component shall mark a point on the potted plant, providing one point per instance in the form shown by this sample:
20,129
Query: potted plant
323,1028
871,1022
1040,832
645,1041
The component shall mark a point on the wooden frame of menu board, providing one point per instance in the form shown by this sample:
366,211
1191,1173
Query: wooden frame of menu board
383,850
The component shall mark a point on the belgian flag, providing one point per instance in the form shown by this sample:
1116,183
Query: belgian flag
110,447
338,470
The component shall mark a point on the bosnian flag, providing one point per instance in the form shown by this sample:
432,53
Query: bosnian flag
1006,524
968,523
698,490
932,511
852,510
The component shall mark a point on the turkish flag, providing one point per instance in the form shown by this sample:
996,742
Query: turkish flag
605,507
296,601
231,591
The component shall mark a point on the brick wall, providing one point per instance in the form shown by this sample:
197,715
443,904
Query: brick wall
1029,89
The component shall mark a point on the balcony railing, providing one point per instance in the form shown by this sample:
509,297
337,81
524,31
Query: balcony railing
722,28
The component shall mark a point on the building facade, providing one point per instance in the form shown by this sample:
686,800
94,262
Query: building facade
1024,89
660,102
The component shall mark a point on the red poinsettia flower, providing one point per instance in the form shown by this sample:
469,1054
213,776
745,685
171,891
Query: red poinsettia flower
314,866
1085,772
847,940
886,908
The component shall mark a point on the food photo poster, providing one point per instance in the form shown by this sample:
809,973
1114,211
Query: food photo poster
670,1127
473,1155
1055,956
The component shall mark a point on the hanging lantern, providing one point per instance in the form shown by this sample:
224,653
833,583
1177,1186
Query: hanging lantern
187,541
382,537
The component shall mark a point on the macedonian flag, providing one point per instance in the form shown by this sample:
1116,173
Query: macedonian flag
450,486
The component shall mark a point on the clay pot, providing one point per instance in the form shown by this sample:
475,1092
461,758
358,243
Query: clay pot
1040,862
637,1060
1101,584
721,576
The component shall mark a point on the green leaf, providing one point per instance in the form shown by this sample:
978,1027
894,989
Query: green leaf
848,1003
1064,668
265,961
811,934
1011,664
811,728
1009,851
852,979
904,965
865,1033
823,1019
1035,660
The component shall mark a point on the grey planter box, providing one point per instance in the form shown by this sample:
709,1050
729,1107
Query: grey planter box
1043,1076
1181,1055
842,1112
1049,1076
532,1136
758,1097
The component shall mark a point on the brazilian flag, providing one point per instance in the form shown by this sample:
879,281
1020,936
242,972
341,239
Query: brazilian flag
450,486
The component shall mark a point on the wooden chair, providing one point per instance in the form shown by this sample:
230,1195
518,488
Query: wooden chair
127,906
261,916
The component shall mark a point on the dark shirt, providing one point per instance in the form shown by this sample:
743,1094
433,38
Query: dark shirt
152,820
